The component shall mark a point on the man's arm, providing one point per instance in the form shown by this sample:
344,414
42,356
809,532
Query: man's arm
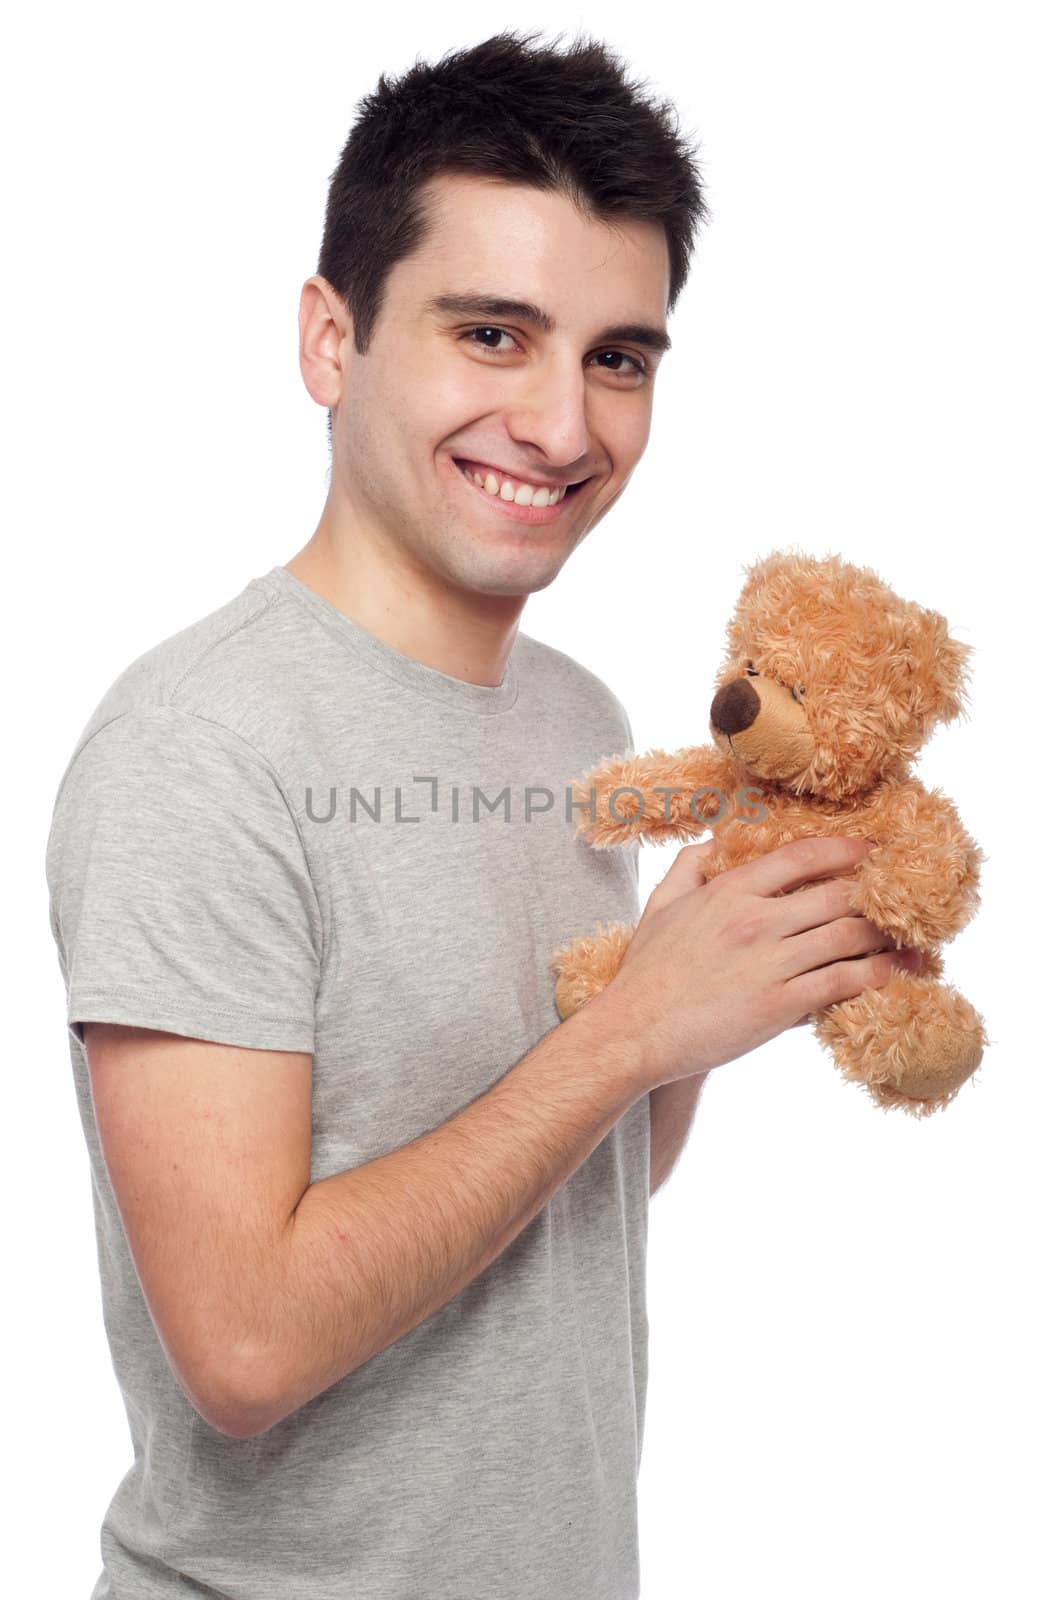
266,1289
672,1108
672,1105
372,1252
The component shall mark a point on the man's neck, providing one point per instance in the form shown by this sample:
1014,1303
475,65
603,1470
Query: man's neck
467,636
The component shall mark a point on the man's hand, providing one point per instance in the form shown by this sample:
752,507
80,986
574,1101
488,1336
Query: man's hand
717,968
683,876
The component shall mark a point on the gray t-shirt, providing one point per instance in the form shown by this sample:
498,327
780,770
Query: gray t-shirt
199,884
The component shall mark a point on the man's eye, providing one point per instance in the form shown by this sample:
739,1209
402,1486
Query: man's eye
636,365
492,349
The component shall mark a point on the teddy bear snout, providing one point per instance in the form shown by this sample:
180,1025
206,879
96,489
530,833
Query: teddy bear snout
735,706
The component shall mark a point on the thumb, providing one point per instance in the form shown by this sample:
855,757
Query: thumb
682,876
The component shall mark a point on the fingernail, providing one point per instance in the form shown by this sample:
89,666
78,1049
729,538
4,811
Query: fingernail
912,958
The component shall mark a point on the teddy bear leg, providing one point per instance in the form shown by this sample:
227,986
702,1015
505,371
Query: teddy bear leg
586,966
912,1043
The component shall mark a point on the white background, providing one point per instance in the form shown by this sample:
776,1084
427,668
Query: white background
855,1341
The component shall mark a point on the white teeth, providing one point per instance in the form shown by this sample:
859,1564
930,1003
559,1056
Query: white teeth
523,494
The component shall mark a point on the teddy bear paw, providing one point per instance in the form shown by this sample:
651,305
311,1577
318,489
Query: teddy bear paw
912,1043
586,966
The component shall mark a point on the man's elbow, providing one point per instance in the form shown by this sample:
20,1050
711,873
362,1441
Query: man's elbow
236,1398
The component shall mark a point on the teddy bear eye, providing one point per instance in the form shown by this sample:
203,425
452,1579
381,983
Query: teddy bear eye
749,669
798,690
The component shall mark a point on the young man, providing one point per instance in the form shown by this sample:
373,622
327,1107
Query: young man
372,1224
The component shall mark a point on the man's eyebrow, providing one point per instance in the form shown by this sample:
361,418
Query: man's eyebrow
495,305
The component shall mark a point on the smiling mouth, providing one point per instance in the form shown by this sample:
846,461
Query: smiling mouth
514,490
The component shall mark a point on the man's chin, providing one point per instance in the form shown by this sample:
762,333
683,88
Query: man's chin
514,573
509,585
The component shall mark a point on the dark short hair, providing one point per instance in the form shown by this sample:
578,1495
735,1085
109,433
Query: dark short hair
567,120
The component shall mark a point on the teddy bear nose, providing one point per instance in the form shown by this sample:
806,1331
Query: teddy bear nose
735,706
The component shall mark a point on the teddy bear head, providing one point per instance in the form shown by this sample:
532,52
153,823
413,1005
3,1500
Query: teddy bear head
831,682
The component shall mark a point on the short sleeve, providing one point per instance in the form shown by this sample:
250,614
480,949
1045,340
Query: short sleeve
180,895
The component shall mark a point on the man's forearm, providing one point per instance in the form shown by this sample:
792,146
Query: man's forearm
672,1107
372,1252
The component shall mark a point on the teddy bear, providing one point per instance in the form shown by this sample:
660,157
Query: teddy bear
830,686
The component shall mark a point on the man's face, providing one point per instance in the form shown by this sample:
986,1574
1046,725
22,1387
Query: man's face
483,387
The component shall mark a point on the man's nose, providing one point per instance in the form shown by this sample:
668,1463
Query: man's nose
551,413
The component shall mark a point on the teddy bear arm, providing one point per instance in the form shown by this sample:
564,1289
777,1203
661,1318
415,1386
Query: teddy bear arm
656,797
921,884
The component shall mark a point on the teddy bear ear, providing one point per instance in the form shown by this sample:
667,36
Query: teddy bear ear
939,666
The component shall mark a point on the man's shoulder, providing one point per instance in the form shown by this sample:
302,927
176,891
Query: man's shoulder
220,669
582,692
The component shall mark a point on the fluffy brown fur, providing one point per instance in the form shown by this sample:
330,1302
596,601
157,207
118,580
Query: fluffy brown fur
830,686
